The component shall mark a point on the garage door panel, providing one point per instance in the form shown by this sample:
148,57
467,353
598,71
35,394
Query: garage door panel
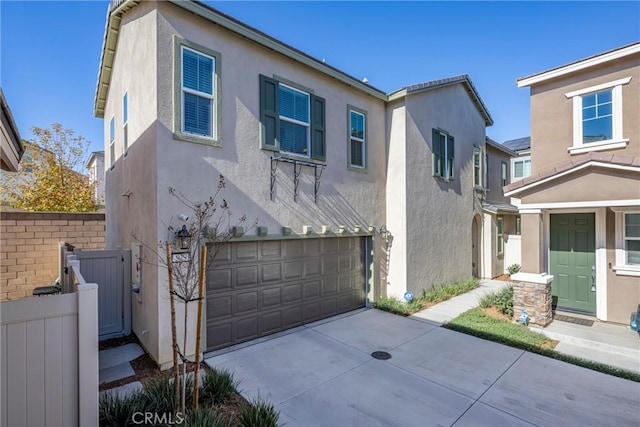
219,279
292,248
258,288
271,298
312,267
246,302
246,329
219,307
271,273
292,317
246,276
292,293
270,250
329,286
330,264
311,290
311,247
270,323
245,251
293,270
219,335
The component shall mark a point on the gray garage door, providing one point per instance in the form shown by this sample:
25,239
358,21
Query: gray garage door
259,288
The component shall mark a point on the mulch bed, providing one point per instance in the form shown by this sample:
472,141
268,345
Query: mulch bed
504,278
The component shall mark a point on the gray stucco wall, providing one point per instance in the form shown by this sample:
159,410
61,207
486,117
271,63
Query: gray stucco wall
439,213
134,72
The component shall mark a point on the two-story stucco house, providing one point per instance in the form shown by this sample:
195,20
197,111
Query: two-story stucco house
357,193
580,208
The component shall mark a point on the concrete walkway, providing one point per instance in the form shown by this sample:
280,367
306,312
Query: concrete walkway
323,374
452,308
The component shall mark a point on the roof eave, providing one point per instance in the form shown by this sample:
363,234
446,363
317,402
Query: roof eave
500,147
578,65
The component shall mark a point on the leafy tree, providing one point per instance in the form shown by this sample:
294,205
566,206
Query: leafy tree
48,179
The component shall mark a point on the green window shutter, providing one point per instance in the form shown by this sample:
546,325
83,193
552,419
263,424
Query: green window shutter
436,155
318,138
269,118
450,152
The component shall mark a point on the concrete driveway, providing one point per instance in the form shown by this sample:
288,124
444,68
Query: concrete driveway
323,375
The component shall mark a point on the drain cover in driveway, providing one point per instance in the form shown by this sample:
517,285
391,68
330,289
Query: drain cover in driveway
381,355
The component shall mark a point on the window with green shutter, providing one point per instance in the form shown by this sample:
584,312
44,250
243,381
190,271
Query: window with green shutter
291,120
443,150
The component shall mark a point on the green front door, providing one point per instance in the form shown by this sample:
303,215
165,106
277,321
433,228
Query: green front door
573,260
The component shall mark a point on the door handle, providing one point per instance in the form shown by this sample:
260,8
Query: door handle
593,278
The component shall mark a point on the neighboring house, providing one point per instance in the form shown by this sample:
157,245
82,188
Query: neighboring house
580,207
521,163
326,163
95,166
11,144
501,222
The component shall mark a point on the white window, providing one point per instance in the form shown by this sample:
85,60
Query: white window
198,96
357,139
632,238
478,172
597,117
504,173
499,235
125,122
627,243
112,140
520,168
442,154
294,107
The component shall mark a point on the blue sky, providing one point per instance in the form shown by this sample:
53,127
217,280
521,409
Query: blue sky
50,51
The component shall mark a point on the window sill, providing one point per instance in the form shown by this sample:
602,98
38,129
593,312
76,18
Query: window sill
627,270
356,169
197,139
297,157
598,146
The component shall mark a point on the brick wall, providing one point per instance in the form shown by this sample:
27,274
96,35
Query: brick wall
29,246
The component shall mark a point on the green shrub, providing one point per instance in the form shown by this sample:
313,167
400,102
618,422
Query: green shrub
216,386
202,417
160,396
259,414
392,305
504,301
116,411
513,268
488,300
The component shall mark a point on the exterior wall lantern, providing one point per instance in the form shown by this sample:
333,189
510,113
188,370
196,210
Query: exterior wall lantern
183,239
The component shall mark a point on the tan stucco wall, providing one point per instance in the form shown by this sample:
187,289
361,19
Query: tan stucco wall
134,71
532,243
590,184
494,174
552,112
439,213
623,292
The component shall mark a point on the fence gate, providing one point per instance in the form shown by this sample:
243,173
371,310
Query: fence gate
111,270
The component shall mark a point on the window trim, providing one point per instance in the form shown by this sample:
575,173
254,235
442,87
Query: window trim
178,94
514,160
365,151
112,140
518,230
504,173
297,122
500,235
617,140
477,153
125,122
444,173
622,268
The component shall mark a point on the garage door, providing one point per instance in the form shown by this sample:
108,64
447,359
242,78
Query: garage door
259,288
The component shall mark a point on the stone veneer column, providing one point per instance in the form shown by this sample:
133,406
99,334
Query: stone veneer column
532,292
